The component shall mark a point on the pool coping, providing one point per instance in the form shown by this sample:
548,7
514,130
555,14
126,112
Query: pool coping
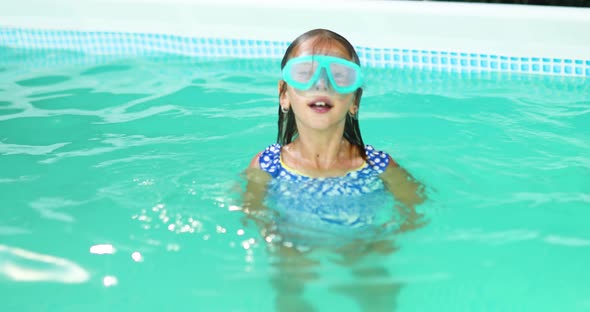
435,35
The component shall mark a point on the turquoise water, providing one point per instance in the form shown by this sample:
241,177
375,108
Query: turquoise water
119,179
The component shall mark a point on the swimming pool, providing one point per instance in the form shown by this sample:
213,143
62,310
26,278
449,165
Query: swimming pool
120,161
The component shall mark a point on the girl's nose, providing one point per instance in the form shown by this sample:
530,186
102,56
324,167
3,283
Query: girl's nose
323,83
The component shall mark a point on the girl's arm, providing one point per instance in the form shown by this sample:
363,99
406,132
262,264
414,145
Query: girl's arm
404,187
408,191
255,192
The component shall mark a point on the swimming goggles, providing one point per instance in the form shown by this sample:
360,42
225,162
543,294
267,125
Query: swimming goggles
305,71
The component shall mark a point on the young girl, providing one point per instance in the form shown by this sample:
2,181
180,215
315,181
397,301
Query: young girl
322,185
320,171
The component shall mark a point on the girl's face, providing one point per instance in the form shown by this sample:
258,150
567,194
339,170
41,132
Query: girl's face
320,107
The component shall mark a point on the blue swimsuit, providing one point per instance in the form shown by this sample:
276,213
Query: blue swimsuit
304,204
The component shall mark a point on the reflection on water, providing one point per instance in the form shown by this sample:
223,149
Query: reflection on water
26,266
370,284
308,233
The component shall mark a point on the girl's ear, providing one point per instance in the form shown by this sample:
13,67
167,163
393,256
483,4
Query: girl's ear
283,100
354,109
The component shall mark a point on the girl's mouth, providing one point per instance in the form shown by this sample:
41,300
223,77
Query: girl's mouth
320,105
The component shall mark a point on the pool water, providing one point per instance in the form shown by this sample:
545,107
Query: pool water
119,180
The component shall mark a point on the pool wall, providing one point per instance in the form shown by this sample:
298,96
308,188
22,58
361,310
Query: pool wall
441,35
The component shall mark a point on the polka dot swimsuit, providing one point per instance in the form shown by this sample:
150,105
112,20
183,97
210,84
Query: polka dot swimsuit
350,200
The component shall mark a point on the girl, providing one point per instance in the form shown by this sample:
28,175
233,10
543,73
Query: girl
325,185
320,154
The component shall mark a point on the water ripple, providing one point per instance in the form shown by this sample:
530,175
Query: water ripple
548,137
567,241
537,199
12,149
116,116
238,113
118,142
105,69
48,207
131,160
500,237
11,230
19,179
42,81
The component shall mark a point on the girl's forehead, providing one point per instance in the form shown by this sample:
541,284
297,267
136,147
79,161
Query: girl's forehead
317,47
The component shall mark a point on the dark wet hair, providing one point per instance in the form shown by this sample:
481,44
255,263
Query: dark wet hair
287,126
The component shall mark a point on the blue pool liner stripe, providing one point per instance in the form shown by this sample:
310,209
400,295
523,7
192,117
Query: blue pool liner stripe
123,44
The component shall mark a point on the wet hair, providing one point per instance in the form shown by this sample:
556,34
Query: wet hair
287,126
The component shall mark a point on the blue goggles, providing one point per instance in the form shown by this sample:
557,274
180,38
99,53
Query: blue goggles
305,71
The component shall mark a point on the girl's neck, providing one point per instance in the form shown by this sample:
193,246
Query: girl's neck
322,150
